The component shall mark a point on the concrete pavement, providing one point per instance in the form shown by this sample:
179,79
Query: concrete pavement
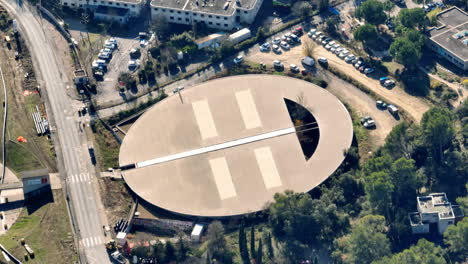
87,210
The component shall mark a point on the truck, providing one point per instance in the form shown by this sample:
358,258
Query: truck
240,36
92,155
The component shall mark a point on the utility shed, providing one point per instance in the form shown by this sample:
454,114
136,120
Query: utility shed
210,40
35,181
240,36
196,232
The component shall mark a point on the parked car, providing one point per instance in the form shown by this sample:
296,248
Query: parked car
285,45
104,56
362,68
278,65
178,89
133,64
326,40
276,49
328,47
381,104
298,31
367,122
368,70
358,64
294,68
238,59
295,38
350,58
322,60
338,51
265,47
392,109
308,61
276,41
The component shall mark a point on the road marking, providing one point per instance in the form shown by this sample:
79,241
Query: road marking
216,147
204,119
248,109
86,242
267,166
96,242
223,178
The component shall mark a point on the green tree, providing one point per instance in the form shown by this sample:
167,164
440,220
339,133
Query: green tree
416,37
141,252
412,17
388,6
372,11
302,9
269,246
456,237
438,130
405,51
170,252
423,253
323,5
182,249
405,180
401,141
252,242
365,33
463,201
243,250
159,251
367,241
259,255
217,245
379,189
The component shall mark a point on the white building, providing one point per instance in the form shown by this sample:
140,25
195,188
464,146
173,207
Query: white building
196,233
434,209
115,10
450,37
210,40
221,14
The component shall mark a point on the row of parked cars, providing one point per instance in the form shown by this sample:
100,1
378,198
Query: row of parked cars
99,66
339,51
278,44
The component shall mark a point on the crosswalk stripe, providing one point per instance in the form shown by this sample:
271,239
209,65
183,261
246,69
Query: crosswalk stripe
96,242
81,177
86,242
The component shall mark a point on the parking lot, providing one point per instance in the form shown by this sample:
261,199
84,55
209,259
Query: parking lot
414,106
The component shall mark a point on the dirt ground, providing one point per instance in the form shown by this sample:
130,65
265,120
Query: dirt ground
116,199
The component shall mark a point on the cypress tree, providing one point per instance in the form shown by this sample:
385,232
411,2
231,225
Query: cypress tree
243,250
259,252
252,243
269,246
208,260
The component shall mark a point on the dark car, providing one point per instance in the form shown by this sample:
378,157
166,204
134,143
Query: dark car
308,61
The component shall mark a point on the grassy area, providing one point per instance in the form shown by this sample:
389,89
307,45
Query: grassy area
107,146
45,226
19,158
393,67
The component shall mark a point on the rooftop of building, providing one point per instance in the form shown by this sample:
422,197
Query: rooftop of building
218,7
452,32
435,203
415,218
34,173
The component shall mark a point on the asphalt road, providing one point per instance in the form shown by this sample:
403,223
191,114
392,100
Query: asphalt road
80,179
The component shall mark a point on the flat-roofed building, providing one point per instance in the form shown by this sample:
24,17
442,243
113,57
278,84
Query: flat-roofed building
114,10
434,209
450,37
219,14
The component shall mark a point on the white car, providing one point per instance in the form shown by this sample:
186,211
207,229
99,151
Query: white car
112,41
265,47
133,64
276,41
312,31
294,68
328,46
368,70
338,51
358,64
276,49
342,55
285,45
104,56
278,64
350,58
238,59
331,43
332,50
322,60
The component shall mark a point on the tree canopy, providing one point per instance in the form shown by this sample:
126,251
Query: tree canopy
366,32
456,237
367,241
372,11
412,17
438,131
405,51
217,245
423,253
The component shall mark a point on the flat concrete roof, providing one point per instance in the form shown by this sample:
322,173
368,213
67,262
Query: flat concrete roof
242,178
220,7
451,22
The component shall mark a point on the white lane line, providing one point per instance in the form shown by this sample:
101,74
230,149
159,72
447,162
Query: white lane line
216,147
204,119
223,178
248,109
267,166
81,177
